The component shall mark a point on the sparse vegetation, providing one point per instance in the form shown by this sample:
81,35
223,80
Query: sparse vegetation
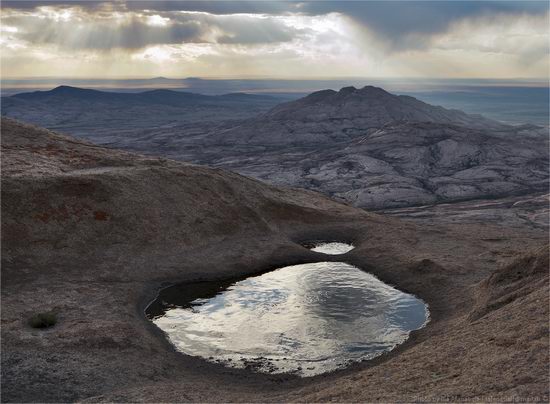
43,320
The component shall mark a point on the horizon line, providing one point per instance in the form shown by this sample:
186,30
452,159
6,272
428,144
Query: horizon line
296,78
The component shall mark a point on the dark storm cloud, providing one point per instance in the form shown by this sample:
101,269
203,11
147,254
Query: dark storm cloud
29,5
213,7
387,18
393,19
401,24
397,16
217,7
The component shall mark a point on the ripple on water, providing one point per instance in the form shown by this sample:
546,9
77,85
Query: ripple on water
306,319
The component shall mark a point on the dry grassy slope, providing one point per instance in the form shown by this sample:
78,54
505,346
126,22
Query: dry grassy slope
90,233
526,275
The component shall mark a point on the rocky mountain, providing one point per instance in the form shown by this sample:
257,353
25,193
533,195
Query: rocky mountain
371,149
336,116
69,95
90,235
366,147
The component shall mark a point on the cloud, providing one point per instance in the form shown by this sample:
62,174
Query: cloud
398,24
419,16
212,7
217,7
80,29
389,19
30,5
248,29
408,24
435,39
524,37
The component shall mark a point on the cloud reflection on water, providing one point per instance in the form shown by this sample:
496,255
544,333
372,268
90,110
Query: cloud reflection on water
309,319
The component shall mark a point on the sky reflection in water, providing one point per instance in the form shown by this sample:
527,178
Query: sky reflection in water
332,248
308,319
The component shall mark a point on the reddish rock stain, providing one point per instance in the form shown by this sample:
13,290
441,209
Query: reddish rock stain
99,215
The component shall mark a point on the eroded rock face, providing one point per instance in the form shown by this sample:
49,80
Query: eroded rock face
411,164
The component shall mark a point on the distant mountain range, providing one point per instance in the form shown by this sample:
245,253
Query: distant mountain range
86,112
64,94
366,146
512,101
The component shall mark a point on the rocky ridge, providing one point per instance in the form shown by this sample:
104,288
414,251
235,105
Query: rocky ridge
365,147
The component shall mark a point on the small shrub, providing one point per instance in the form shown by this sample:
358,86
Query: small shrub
43,320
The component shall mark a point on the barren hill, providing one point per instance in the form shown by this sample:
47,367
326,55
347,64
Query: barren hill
87,112
377,150
92,234
71,192
330,116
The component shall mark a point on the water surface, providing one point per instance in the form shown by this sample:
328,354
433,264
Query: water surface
332,248
305,319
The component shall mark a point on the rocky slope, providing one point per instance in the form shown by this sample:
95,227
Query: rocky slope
92,233
409,164
330,116
377,150
366,147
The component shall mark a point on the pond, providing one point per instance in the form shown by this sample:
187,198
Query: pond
303,319
329,247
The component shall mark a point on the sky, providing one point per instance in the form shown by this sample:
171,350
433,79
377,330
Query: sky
275,39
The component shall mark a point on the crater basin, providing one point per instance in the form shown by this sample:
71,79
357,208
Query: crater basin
304,319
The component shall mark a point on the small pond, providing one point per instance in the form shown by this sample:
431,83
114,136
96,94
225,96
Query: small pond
303,319
329,247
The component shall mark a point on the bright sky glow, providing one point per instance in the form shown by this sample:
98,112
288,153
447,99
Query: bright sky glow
273,39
